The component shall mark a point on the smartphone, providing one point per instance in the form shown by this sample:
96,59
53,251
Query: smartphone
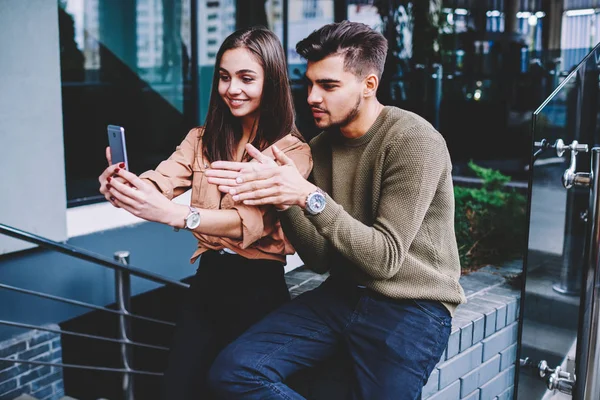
116,141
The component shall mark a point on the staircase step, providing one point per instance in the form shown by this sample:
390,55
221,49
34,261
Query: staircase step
28,397
546,342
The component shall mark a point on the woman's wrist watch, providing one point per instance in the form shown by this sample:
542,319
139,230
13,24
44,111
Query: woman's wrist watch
192,221
315,202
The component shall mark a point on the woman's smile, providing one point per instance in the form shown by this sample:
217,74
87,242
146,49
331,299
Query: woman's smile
236,103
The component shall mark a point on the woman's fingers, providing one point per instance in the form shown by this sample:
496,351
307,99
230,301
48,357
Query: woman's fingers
227,165
133,179
222,182
124,195
108,156
225,189
221,173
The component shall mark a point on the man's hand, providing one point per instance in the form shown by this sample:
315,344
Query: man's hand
264,182
224,173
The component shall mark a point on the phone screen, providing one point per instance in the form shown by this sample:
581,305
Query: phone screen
116,141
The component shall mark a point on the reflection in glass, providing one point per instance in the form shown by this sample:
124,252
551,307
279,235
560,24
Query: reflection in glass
557,233
125,63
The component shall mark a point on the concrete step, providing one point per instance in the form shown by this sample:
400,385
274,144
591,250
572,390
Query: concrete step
28,397
542,303
546,342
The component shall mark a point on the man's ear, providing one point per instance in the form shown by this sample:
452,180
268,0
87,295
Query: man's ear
371,85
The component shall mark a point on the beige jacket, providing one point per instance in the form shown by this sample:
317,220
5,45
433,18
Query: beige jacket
262,236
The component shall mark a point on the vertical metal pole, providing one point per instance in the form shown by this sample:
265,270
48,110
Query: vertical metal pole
437,96
195,63
588,351
574,243
340,10
286,23
123,300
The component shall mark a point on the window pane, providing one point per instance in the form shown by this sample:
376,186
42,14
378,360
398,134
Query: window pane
128,63
304,16
216,20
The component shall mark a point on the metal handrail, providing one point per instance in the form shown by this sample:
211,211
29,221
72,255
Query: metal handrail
86,255
83,304
123,272
78,366
83,335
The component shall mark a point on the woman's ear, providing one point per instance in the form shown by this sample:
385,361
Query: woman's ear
371,85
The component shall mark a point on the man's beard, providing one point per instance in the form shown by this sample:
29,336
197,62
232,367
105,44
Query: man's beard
348,118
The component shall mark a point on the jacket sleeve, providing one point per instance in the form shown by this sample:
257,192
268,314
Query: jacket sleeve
257,222
173,176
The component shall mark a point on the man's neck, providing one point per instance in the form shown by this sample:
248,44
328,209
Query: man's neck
363,121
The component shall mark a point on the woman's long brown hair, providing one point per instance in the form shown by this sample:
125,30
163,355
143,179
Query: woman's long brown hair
276,116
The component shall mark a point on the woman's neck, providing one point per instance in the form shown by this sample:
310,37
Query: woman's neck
249,127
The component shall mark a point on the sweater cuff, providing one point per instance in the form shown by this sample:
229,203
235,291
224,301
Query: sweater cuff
327,216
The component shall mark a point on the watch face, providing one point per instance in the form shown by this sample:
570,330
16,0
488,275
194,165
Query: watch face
192,221
316,202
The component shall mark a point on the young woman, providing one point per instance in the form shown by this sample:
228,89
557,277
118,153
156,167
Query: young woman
241,276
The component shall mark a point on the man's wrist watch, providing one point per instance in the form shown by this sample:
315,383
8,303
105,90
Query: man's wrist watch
192,221
315,202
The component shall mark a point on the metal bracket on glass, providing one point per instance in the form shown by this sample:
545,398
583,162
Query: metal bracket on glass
571,178
556,379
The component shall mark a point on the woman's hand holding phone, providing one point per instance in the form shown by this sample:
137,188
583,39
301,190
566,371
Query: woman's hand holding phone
140,198
107,175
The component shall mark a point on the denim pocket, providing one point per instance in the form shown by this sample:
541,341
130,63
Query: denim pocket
436,311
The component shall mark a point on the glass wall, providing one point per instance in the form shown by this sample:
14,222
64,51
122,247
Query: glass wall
304,17
126,63
216,20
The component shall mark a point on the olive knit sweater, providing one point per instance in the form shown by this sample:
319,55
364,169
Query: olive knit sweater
389,219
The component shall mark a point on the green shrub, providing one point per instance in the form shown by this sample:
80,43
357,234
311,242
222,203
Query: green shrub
490,221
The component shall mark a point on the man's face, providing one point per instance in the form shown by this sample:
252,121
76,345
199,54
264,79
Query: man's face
334,95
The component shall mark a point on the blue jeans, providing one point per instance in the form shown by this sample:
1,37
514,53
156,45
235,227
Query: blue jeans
394,344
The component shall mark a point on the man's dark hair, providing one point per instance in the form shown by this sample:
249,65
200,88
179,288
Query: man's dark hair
364,49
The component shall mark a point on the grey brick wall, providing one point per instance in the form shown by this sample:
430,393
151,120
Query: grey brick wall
43,382
479,362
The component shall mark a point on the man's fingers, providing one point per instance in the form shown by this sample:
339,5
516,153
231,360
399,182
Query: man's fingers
263,201
256,194
257,155
281,157
256,175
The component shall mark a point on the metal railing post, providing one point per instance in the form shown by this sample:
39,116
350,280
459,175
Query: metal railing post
437,96
123,300
588,350
574,242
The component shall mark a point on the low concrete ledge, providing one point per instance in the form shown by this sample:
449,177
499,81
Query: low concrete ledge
479,361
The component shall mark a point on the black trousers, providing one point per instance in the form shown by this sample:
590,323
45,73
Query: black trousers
228,294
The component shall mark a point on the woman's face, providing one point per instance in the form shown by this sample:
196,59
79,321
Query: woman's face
241,80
